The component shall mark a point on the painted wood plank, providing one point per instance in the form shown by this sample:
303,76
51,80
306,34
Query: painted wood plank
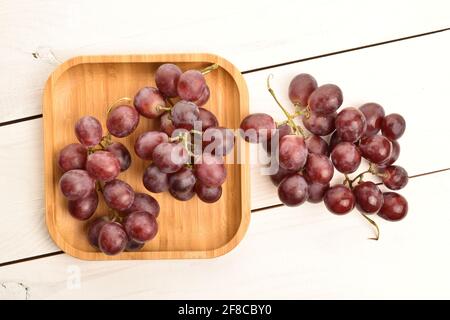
295,253
249,34
392,84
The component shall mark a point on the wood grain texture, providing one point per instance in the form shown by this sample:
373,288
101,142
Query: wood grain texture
390,83
250,34
288,253
193,229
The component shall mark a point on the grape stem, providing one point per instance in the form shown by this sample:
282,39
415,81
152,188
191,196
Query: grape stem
297,130
169,101
163,108
374,224
209,68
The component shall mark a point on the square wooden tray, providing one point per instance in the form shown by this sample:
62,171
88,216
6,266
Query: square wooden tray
86,86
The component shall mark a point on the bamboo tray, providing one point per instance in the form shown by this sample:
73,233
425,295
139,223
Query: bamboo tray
86,86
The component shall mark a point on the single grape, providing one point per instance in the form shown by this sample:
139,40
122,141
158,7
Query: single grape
88,131
346,157
368,196
112,238
395,177
282,130
350,124
316,145
170,157
147,142
293,152
339,199
301,88
122,121
133,246
293,190
166,124
210,170
182,180
76,184
325,99
94,229
103,165
154,180
374,114
208,194
144,202
207,119
218,141
376,149
334,141
72,156
182,195
393,126
184,114
280,175
149,102
122,154
166,79
395,207
140,226
84,208
191,85
321,125
204,97
118,195
394,156
257,127
316,192
318,169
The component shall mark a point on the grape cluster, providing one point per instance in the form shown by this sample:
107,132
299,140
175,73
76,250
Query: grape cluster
178,165
306,160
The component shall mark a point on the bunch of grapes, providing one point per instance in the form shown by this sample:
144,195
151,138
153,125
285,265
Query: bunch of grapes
178,164
306,160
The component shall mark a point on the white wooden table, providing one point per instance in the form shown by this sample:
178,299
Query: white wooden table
395,53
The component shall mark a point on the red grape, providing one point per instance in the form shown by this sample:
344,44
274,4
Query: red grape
84,208
208,194
191,85
134,246
118,195
72,156
149,102
301,88
369,197
122,120
103,165
94,229
166,79
112,238
339,199
393,126
334,141
346,157
316,145
185,114
350,124
122,154
218,141
166,124
374,114
321,125
144,202
170,157
282,130
293,190
182,195
395,178
88,131
147,142
376,149
293,152
280,175
76,184
154,180
210,170
316,192
394,156
318,169
207,119
182,180
140,226
257,127
395,207
325,99
203,98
